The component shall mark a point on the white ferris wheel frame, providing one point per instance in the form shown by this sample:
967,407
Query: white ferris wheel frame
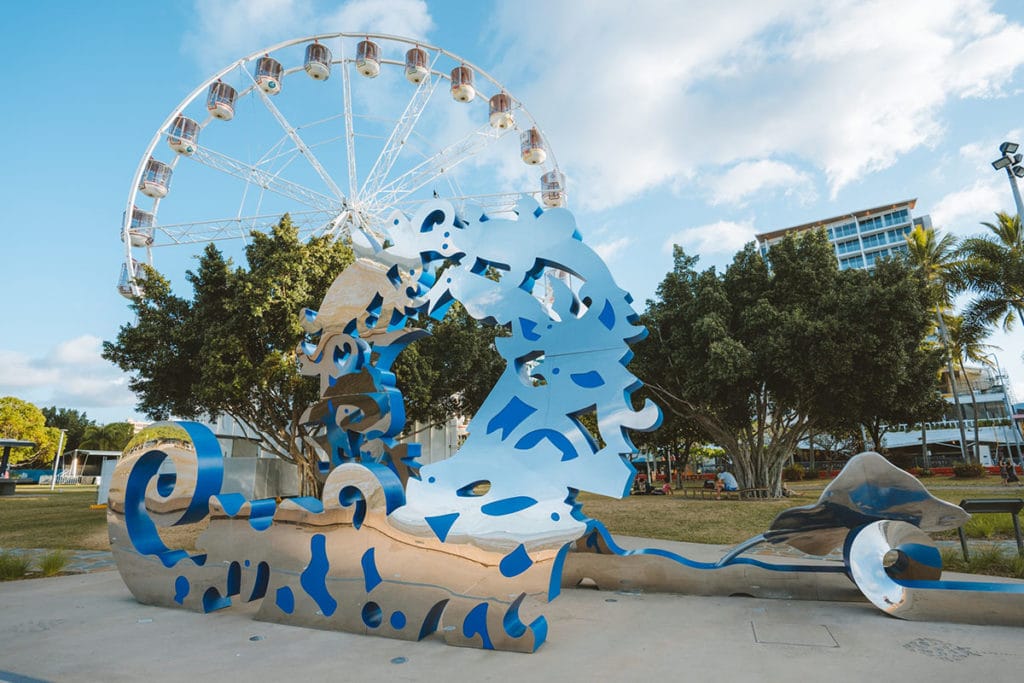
339,213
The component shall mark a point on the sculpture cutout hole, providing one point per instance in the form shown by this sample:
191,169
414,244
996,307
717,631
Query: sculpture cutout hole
165,484
372,615
475,489
530,368
587,582
351,495
586,421
234,583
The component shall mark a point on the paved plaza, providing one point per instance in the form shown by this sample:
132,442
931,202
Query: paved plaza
87,627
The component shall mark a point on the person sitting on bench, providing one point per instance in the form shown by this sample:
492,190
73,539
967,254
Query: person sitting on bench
725,481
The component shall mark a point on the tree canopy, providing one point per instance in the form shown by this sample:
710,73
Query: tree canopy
993,268
74,421
231,348
770,350
23,421
109,437
450,372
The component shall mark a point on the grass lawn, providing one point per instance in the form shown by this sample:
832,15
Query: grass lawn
729,521
35,517
39,518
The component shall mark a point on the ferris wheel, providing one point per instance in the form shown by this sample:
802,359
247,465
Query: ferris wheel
337,130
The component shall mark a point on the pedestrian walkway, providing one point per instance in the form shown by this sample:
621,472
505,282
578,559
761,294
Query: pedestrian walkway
88,628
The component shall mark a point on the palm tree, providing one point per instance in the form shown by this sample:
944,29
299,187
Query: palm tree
993,267
936,260
109,437
965,344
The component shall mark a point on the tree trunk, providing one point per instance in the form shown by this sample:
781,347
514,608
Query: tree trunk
925,457
952,385
812,449
311,482
974,414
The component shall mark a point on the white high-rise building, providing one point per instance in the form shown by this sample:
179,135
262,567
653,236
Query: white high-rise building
860,237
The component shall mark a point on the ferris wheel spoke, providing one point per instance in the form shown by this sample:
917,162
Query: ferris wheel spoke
399,136
268,181
436,165
350,134
308,222
297,140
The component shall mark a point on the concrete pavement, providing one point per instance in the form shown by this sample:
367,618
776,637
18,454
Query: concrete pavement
89,628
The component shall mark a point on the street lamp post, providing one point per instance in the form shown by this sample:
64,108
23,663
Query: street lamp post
1011,161
56,458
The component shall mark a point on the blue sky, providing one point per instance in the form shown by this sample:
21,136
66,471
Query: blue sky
687,122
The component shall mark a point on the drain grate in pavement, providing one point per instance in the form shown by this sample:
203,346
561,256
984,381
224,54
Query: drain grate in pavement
807,635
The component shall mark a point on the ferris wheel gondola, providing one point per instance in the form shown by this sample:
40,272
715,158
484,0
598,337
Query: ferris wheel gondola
252,143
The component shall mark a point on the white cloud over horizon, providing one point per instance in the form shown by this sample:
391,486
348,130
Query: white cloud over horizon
72,374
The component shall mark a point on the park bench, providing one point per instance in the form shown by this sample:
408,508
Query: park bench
974,506
756,493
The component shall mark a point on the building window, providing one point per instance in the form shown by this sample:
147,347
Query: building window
851,262
847,247
841,231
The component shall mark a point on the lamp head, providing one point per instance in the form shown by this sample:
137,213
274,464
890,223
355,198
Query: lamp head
1008,147
1001,163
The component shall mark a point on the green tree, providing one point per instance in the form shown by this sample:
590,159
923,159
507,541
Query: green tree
109,437
23,421
966,343
232,348
450,372
884,368
761,356
993,268
73,421
936,258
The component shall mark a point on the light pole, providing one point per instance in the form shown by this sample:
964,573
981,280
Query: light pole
1011,161
56,458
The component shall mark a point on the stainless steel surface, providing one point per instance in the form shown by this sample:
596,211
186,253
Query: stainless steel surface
868,489
909,587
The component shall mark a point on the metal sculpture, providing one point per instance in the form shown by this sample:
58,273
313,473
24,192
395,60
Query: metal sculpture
470,546
394,548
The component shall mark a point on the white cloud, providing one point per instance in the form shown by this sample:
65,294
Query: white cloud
760,177
80,351
722,237
609,250
396,17
225,30
18,371
71,375
961,212
643,97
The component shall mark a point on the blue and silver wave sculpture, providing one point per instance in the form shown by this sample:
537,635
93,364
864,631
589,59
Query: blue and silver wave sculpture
473,546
